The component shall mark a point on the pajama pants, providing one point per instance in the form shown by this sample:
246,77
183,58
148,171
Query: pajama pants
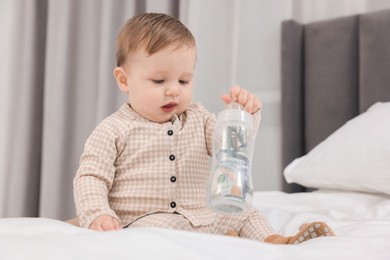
251,225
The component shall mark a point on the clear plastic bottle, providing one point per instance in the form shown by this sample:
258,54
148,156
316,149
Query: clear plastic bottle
230,184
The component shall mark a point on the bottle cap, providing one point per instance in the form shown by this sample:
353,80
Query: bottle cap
236,114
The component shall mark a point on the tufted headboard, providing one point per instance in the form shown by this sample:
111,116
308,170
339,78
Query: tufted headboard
331,71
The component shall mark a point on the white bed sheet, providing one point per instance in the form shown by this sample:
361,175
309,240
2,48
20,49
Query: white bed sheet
361,222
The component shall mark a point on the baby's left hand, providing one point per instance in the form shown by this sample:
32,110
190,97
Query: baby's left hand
243,97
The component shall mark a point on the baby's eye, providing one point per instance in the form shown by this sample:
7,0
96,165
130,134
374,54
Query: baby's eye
184,82
158,81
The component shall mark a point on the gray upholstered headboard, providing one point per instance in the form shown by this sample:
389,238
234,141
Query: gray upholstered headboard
331,71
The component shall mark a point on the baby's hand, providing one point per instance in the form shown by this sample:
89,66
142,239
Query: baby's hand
105,223
243,97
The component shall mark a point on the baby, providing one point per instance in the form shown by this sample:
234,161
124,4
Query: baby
147,165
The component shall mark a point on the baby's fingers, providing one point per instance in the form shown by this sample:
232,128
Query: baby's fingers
117,225
235,92
249,106
227,98
111,224
242,98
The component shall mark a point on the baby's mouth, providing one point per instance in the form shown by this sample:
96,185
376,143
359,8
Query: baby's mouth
169,107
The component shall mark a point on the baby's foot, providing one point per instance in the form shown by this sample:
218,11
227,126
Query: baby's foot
311,230
232,233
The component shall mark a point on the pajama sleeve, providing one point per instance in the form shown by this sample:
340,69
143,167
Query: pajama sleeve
96,173
209,124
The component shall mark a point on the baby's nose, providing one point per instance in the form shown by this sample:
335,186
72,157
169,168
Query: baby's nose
173,90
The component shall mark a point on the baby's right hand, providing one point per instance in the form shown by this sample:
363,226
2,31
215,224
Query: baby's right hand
105,223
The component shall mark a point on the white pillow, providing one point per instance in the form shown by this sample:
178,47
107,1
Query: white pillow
356,157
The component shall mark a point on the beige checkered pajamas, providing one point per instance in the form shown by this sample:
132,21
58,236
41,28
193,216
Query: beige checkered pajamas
135,170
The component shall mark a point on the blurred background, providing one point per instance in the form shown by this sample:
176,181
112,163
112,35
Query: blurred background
56,83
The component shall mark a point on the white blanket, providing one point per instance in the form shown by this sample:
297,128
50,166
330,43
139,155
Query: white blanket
361,222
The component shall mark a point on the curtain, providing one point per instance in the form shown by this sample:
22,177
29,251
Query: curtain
59,87
307,11
21,165
239,43
56,82
6,10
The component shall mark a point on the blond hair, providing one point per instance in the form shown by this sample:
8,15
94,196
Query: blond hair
151,32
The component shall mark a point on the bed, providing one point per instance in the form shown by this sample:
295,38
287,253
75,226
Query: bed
336,154
361,221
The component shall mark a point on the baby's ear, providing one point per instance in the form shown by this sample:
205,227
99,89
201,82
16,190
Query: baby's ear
121,79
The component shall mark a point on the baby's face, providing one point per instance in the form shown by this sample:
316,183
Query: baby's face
160,85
